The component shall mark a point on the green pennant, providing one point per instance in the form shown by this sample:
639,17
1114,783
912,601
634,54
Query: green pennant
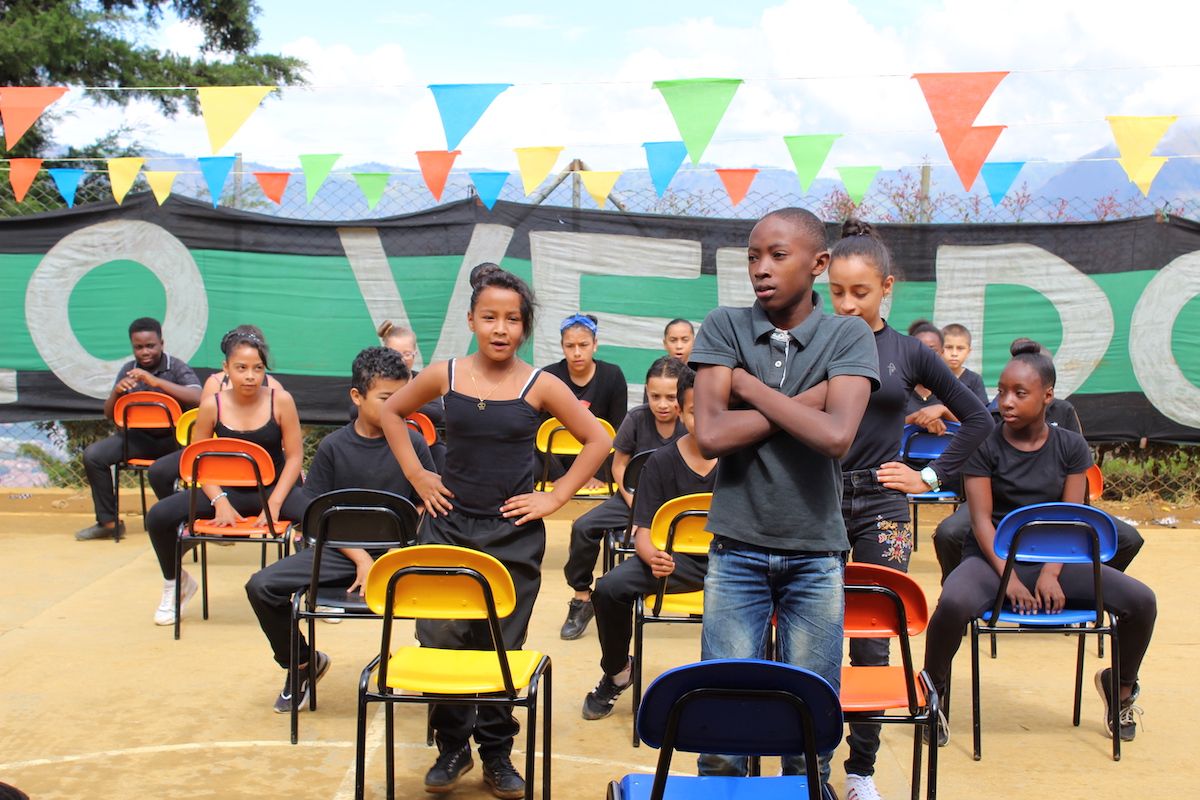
857,180
809,154
697,104
372,185
316,170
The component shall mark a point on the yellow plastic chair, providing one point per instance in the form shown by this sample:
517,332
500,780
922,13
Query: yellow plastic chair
555,440
678,527
453,583
185,425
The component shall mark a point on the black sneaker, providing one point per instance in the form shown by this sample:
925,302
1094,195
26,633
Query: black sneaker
99,531
579,614
600,701
500,774
1128,707
283,703
451,765
943,730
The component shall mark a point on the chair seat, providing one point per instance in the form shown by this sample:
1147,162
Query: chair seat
1068,616
876,689
599,491
681,603
437,671
717,787
936,497
243,528
338,597
139,462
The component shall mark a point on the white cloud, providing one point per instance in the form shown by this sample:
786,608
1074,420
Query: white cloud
536,22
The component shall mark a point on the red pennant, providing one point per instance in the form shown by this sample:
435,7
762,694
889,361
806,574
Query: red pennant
974,149
20,107
737,182
273,184
955,100
435,168
21,172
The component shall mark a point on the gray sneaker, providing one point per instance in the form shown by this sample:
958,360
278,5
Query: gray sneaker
1129,707
283,703
579,614
99,531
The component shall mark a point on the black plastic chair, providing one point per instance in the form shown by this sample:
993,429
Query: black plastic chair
618,542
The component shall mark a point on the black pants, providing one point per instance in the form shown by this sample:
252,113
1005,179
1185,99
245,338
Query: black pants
953,531
971,590
520,550
617,591
165,517
99,458
586,534
164,472
877,522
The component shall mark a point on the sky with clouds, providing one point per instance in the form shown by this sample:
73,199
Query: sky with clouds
583,74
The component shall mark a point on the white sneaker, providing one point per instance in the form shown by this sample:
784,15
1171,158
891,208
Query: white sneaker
165,615
861,787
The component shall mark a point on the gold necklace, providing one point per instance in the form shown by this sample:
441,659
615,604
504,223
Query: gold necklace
483,400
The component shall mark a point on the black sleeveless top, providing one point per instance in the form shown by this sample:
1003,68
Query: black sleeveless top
269,436
490,453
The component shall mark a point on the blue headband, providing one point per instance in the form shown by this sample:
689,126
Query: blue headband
578,319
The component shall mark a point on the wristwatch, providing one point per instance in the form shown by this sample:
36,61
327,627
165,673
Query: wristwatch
930,476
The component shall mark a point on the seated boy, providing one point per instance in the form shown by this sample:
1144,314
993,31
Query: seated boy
151,370
675,470
354,457
924,407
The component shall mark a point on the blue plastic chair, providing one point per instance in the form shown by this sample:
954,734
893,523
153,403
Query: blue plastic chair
918,444
744,707
1052,533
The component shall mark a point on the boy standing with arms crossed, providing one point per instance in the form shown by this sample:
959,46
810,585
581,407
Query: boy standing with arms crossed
780,390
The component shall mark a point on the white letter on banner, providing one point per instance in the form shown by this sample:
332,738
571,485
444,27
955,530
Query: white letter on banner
49,291
1150,333
964,273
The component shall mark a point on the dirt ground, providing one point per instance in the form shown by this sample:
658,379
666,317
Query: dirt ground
98,702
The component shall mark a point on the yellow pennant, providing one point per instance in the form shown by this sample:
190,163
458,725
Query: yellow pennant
599,184
122,172
160,184
226,109
1144,175
1136,139
535,164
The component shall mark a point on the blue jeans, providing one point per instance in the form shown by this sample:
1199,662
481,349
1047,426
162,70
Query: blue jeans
745,587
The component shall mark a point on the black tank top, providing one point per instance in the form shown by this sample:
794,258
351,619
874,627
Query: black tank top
269,436
490,454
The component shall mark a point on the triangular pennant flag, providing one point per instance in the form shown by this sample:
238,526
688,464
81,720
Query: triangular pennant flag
461,105
372,185
20,107
535,164
160,184
599,184
737,182
226,109
273,184
488,186
973,151
999,177
67,182
955,100
663,160
435,167
697,104
809,154
857,181
1145,174
216,171
21,172
316,170
122,172
1136,139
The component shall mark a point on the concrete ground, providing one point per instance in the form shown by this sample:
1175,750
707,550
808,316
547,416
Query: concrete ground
97,701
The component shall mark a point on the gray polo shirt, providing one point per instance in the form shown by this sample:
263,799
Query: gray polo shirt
780,494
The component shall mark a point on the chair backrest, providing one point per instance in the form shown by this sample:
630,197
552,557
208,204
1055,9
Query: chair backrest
424,426
436,581
1057,533
147,410
633,470
872,610
185,425
920,445
678,525
226,462
366,518
553,438
1095,483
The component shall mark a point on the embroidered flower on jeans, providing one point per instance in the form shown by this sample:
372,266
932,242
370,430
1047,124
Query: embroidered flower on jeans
897,538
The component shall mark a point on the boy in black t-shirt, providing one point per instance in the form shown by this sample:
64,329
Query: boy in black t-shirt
354,457
675,470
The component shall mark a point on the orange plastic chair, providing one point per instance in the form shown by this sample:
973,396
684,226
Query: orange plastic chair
555,440
227,462
140,411
1095,484
885,603
424,426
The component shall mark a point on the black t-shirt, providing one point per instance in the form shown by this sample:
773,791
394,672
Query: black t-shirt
639,432
346,460
1059,413
606,393
1022,478
969,379
665,477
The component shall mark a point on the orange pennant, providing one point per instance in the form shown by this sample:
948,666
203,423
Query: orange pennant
955,100
737,182
20,107
974,149
273,184
21,172
435,168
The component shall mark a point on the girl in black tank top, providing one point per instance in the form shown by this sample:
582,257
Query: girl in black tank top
484,498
